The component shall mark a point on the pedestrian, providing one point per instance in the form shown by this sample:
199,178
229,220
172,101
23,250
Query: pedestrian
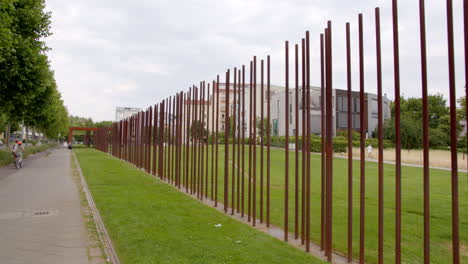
369,150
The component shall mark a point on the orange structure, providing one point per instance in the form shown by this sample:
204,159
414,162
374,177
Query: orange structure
87,129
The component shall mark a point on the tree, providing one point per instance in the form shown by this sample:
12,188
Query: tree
28,91
103,124
411,132
263,122
197,129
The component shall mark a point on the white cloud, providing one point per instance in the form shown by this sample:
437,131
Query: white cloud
135,53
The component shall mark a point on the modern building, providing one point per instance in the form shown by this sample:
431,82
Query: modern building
339,110
278,110
124,112
238,103
370,111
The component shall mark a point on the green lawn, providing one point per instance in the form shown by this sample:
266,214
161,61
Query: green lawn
151,222
6,157
412,207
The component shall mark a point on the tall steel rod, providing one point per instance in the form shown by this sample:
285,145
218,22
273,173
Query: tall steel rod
243,140
396,54
212,103
380,139
362,196
286,145
268,143
226,146
308,132
453,134
254,150
161,140
155,137
262,129
238,119
233,181
249,195
296,139
465,22
323,145
207,106
329,142
187,139
350,144
303,144
202,141
216,140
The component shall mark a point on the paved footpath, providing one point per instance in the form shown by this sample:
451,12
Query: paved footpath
40,218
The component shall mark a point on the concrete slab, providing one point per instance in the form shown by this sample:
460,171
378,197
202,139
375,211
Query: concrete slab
40,218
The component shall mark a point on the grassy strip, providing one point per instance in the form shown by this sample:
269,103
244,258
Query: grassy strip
412,205
151,222
6,157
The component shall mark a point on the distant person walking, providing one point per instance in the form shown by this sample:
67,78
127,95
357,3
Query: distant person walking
369,150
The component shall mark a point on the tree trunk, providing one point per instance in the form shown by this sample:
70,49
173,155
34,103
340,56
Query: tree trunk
27,136
7,135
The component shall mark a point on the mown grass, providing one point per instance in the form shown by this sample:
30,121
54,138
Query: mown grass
412,205
151,222
7,158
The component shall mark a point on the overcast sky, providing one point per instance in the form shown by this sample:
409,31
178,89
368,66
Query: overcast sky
134,53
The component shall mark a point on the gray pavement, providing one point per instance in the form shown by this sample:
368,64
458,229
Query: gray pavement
40,218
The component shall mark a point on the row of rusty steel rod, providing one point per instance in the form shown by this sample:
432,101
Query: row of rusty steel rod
175,141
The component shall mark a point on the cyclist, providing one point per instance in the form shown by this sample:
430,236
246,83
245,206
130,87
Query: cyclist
18,150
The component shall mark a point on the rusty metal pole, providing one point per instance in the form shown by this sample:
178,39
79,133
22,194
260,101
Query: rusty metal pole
380,138
207,105
212,139
243,141
262,122
303,144
286,145
194,141
180,137
296,139
174,140
238,102
249,200
226,146
396,54
350,143
202,141
254,149
465,19
161,140
268,144
200,146
362,197
233,181
155,139
216,140
453,134
329,128
322,148
307,226
187,141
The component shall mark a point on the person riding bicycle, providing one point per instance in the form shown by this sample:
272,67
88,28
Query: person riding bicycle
18,149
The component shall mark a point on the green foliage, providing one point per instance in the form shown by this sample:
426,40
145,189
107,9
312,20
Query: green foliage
197,130
103,124
411,122
28,91
6,157
344,134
